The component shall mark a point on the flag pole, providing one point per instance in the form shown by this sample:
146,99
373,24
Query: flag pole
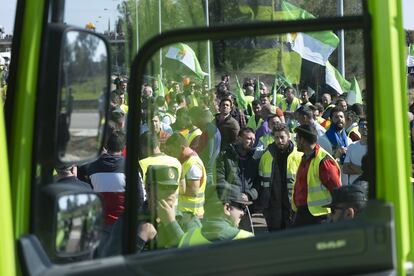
159,31
341,48
208,46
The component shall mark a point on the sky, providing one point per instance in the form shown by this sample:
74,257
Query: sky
7,11
83,9
408,13
79,10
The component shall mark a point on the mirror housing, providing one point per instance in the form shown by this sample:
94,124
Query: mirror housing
75,93
72,222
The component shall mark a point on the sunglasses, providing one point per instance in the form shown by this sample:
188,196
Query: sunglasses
239,206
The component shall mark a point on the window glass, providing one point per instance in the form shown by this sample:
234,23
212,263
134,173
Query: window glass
245,145
198,170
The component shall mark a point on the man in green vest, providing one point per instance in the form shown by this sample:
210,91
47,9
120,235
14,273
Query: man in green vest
255,120
317,176
223,213
289,105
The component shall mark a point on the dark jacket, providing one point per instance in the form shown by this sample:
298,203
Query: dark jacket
229,129
74,180
278,203
237,170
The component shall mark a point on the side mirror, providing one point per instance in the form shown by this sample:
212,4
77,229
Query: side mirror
72,222
75,96
78,222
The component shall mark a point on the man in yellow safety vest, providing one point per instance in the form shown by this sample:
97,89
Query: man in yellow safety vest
277,169
317,176
193,178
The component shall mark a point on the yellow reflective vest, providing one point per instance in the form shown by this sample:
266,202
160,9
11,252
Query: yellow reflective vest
293,106
159,159
192,134
193,204
195,237
354,129
265,167
318,194
266,140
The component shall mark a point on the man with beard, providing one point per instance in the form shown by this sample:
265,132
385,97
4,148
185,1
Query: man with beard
336,141
277,169
237,166
317,176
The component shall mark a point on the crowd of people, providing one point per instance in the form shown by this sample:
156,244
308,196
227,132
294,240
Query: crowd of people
206,164
4,74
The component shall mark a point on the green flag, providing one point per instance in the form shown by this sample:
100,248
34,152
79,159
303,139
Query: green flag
316,46
240,97
257,92
335,79
161,89
180,58
354,94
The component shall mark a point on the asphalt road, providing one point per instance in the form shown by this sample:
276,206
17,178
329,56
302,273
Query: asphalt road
85,120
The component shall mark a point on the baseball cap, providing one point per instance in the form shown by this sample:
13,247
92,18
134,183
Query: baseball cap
163,175
117,114
306,129
228,193
348,195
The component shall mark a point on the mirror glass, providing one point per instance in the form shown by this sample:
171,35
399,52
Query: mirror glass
84,78
78,224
